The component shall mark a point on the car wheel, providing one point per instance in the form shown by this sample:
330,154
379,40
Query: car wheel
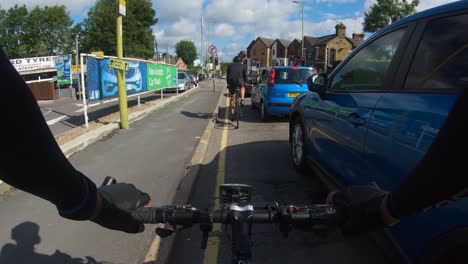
263,112
298,150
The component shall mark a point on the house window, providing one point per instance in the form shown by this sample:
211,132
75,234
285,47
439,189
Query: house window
263,52
274,51
317,52
333,56
254,52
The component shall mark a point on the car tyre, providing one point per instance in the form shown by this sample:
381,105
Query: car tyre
298,148
263,113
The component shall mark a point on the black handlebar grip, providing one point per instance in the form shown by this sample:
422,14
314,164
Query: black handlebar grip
108,181
150,215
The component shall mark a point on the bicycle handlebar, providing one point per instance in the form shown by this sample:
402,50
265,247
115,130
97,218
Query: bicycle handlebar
187,215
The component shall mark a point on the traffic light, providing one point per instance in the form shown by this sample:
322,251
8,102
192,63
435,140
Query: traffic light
302,61
216,60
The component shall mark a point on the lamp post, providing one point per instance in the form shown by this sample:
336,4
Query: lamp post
302,31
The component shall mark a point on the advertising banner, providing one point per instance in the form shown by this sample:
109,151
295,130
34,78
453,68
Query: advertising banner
62,63
161,76
30,64
93,79
135,78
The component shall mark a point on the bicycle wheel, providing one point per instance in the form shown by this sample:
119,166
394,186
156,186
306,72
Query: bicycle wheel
238,109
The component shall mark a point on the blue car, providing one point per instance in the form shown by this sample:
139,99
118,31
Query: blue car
374,117
277,87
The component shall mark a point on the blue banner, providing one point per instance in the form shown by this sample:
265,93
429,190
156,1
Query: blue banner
135,78
93,79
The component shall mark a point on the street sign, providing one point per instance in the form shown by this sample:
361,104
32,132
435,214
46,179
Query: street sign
98,54
212,49
122,7
118,64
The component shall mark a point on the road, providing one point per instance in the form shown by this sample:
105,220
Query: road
153,154
64,114
258,154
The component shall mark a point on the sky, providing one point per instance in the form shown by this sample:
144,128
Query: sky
232,24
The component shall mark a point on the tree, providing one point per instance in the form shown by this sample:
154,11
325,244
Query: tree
224,66
385,12
186,50
11,31
47,31
99,28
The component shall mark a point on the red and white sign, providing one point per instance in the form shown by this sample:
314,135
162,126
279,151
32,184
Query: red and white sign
212,49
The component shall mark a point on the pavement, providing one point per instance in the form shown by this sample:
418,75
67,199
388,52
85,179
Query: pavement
258,154
153,154
64,114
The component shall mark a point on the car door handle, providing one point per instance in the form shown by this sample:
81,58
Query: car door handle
356,119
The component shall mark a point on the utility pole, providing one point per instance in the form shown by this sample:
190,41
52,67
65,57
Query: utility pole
77,64
156,46
302,48
120,73
201,46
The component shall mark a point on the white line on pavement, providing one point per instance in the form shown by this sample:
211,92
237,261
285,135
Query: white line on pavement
79,110
55,120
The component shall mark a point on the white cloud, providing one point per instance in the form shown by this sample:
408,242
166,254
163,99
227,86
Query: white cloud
171,10
224,30
426,4
76,7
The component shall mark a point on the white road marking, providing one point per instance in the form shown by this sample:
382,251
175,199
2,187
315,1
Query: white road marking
79,105
56,120
79,110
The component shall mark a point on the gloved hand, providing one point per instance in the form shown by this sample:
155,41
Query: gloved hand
119,203
360,208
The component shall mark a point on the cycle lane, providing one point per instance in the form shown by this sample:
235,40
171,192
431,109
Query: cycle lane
258,154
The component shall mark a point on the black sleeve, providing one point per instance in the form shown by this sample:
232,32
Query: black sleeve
441,173
31,159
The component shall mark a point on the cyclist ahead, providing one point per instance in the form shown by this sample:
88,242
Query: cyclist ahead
236,78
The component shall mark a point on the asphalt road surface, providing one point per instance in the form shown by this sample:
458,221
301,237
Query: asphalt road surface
258,154
153,154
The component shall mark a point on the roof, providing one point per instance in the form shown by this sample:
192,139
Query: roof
295,40
284,42
267,41
251,43
243,52
313,41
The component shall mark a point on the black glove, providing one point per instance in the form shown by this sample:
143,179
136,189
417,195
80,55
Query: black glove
119,204
360,209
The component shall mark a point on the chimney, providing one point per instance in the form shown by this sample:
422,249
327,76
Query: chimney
358,38
340,30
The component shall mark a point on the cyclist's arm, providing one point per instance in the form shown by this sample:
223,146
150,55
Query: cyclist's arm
441,173
31,160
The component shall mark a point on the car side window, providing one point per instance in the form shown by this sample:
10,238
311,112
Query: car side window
263,77
441,59
367,69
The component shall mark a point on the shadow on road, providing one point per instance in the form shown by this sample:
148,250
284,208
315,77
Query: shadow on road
197,115
26,237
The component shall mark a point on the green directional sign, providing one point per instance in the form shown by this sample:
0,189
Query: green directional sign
160,76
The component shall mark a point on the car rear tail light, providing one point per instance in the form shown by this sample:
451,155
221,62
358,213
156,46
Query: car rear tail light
295,68
315,71
271,79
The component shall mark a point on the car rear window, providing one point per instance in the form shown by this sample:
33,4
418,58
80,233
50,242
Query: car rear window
181,75
287,76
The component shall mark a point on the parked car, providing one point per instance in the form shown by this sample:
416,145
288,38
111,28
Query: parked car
251,81
277,87
183,82
375,116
